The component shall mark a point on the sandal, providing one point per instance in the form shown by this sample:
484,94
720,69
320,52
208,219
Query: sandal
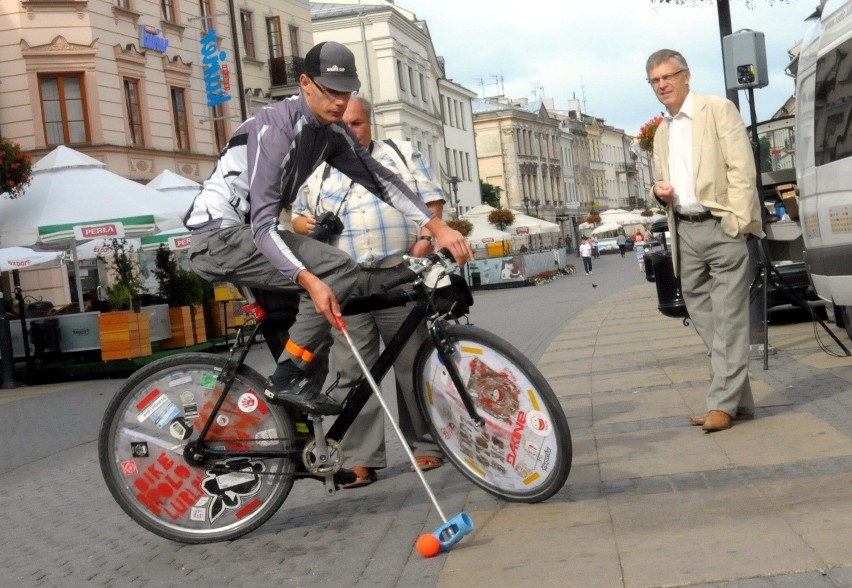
427,462
363,477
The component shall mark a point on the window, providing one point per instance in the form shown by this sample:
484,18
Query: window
218,119
181,118
125,4
273,35
168,9
294,41
400,74
206,10
134,111
248,33
64,109
411,82
422,88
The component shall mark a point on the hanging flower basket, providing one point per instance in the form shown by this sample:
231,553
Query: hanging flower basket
592,218
501,217
462,226
647,132
15,168
647,212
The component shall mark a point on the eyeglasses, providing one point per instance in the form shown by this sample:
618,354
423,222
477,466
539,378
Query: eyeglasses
666,78
333,94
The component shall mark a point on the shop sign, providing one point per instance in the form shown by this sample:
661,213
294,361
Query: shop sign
216,75
103,230
150,38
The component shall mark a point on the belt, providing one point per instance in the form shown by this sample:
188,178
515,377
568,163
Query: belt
695,217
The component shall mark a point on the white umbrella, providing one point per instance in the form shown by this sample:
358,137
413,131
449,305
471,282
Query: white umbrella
482,235
72,198
606,228
103,248
531,225
16,258
175,240
177,193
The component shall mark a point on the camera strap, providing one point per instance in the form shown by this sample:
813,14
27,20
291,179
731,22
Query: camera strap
326,173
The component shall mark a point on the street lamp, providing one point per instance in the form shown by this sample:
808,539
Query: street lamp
535,204
454,184
497,190
526,202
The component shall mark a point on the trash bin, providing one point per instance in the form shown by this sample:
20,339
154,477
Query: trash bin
649,267
669,299
45,337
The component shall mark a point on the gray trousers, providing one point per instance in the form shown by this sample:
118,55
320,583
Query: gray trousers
714,273
231,255
364,443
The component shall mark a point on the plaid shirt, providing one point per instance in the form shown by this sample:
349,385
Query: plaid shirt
373,230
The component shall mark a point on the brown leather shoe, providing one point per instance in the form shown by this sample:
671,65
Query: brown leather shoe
363,477
716,421
740,416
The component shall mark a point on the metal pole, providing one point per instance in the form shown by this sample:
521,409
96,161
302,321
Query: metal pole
6,351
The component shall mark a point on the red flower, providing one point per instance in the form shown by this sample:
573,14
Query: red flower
647,132
15,168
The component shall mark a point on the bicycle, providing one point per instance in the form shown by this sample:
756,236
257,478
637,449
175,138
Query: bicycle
191,451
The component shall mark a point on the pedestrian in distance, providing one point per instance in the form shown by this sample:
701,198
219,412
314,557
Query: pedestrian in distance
593,241
621,241
376,236
586,254
236,238
705,176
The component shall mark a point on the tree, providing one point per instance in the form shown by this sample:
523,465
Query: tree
723,9
489,194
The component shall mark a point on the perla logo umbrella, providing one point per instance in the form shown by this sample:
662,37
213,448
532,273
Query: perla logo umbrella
73,199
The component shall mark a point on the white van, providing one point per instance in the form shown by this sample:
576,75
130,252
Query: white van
824,155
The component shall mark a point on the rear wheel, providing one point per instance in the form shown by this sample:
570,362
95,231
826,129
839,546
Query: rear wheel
145,432
523,452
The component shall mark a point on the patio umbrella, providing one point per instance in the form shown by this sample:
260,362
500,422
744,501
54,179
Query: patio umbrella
73,199
177,194
16,258
175,240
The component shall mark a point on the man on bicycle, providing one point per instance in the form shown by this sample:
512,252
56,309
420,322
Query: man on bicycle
258,174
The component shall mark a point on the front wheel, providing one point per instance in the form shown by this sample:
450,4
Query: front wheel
523,451
149,423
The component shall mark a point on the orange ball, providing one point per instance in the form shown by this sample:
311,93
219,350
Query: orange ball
428,545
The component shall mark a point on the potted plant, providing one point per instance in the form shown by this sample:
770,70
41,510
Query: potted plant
15,168
462,225
185,293
501,218
124,332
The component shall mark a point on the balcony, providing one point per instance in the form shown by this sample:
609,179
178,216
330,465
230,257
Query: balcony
285,71
626,167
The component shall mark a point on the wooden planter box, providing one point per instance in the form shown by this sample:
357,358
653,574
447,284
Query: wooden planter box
220,313
124,334
186,331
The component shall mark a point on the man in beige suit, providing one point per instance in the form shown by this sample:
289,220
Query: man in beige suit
705,176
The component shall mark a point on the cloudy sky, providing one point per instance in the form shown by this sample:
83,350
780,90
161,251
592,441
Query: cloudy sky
596,50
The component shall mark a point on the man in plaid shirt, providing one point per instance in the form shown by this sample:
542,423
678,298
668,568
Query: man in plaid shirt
376,236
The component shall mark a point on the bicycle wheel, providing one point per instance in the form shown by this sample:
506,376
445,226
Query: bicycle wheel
149,422
523,452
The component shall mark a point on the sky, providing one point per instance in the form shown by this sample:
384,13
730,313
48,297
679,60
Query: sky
596,50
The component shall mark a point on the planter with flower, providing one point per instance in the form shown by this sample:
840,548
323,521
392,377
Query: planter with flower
15,168
647,132
501,218
125,332
185,293
463,226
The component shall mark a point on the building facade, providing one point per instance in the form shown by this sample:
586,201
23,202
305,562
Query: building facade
142,86
520,152
404,79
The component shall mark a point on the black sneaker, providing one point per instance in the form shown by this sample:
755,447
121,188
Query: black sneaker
289,386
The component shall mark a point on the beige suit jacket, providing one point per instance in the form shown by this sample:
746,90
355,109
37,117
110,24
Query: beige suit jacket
722,165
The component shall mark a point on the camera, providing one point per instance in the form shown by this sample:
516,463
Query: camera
328,226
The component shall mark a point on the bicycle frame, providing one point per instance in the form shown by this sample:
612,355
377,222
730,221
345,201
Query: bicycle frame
200,454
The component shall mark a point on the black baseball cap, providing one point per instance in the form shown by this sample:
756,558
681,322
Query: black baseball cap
333,66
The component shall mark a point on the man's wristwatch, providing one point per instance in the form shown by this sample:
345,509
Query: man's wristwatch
427,238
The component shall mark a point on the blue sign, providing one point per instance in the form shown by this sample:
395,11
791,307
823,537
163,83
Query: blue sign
215,69
149,38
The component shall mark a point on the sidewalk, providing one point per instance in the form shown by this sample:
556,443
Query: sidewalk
653,501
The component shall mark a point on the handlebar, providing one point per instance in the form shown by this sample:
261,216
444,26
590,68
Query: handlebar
414,267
